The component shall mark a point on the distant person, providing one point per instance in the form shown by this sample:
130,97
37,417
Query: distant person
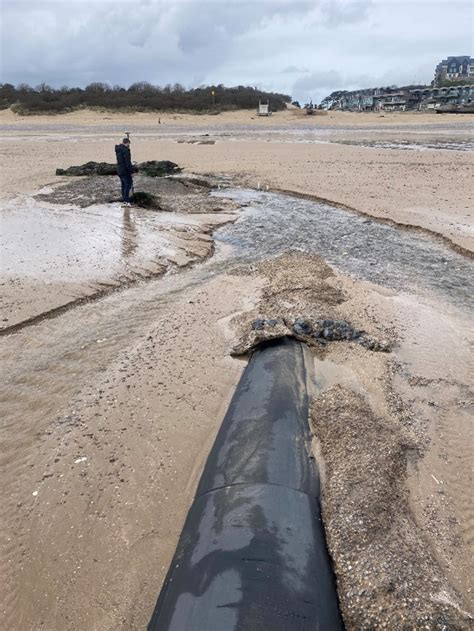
124,168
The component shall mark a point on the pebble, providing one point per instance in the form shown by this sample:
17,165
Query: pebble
258,324
302,327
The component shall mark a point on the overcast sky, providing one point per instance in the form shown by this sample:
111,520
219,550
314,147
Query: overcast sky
303,48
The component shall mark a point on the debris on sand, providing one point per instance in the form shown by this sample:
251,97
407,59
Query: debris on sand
307,330
179,194
387,575
152,168
284,300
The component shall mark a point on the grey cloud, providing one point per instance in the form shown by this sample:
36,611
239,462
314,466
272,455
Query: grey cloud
318,80
293,70
206,24
306,48
337,12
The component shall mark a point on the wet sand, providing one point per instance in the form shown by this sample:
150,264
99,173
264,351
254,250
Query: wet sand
111,407
103,246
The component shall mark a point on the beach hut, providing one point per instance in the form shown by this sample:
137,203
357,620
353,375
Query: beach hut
263,109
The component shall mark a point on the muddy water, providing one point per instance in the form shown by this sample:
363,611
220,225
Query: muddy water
46,365
56,254
361,247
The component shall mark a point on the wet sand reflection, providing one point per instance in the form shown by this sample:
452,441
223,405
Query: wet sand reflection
129,234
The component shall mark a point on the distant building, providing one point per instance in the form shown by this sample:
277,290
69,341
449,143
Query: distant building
405,98
454,69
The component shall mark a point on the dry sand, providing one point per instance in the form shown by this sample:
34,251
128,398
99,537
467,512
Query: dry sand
111,410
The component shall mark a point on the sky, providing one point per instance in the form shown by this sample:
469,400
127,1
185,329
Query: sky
306,49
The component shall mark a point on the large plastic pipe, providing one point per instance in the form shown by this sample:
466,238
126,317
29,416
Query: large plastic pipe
252,553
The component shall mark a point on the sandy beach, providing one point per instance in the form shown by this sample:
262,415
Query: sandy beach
119,336
399,184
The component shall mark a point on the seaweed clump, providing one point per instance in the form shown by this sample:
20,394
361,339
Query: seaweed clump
151,168
145,200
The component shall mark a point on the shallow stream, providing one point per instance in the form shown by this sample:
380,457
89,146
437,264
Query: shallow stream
46,364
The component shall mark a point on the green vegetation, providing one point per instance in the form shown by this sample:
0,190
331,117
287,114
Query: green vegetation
142,96
449,83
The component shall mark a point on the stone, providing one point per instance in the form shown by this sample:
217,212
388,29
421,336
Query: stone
258,324
302,327
317,330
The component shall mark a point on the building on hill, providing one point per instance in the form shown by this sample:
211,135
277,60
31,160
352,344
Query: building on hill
402,99
454,69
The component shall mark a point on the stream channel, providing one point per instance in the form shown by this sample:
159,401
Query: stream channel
45,365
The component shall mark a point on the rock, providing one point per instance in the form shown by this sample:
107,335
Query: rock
302,327
258,324
308,331
317,331
374,345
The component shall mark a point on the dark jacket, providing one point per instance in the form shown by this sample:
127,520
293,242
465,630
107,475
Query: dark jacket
124,160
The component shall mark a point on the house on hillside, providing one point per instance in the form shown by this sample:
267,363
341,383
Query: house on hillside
454,69
396,101
406,98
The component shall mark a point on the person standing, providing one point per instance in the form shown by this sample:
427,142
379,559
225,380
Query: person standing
124,168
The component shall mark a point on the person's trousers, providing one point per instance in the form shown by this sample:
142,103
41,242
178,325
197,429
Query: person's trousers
127,183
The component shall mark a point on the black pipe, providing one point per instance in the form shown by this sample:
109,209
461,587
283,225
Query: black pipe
252,553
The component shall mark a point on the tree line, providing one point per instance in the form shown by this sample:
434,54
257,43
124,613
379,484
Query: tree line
142,96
